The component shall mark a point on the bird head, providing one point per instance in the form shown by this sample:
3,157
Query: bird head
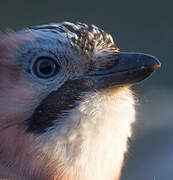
46,73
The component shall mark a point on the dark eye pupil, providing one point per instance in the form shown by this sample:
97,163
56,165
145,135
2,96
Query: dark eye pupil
45,68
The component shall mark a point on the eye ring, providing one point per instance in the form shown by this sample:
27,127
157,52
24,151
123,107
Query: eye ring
45,67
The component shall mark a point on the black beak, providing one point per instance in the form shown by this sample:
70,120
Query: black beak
130,68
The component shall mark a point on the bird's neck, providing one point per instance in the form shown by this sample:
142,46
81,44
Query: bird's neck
90,145
101,136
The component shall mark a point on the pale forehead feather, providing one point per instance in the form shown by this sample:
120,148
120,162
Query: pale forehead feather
88,38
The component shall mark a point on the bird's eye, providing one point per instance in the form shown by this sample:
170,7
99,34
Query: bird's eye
45,67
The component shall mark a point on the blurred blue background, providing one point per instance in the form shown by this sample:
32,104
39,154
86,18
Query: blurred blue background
143,26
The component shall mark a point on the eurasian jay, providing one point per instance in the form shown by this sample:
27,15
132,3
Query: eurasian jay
66,104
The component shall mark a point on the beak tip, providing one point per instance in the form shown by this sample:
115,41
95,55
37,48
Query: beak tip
156,65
